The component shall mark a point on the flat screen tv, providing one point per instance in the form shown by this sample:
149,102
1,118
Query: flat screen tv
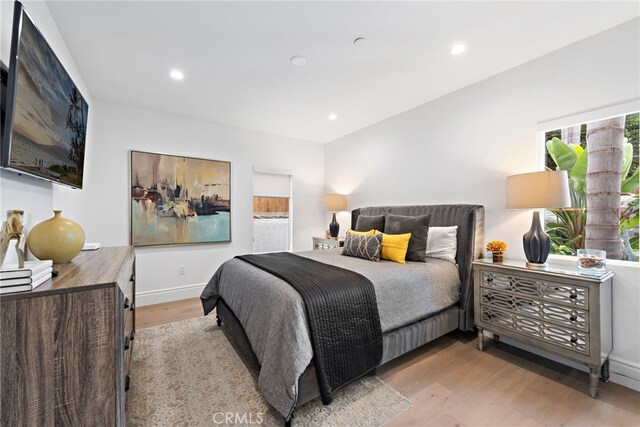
45,125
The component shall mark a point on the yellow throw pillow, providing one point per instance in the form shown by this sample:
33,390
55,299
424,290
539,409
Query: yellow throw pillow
362,233
394,246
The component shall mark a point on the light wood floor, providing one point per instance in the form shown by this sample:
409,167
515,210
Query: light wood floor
450,382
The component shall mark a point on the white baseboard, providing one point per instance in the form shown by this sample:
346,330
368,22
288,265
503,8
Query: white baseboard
168,294
624,372
621,371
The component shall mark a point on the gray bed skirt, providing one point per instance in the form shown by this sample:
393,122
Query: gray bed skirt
394,343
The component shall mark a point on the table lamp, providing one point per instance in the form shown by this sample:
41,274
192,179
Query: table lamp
547,189
335,202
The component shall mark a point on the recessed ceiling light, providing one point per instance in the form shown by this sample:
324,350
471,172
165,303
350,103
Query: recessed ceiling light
176,75
458,48
332,116
298,60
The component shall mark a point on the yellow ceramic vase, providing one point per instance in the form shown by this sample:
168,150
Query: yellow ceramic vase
57,239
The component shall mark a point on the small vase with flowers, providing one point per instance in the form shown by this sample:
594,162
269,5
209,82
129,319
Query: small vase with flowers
497,248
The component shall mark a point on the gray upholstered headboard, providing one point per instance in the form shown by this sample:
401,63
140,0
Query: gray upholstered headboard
470,222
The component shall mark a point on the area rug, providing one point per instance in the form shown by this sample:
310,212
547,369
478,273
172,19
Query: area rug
188,374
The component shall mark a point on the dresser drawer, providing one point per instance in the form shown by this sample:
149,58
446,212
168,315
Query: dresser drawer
551,312
569,339
563,294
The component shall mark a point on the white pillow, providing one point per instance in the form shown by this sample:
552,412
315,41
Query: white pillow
442,242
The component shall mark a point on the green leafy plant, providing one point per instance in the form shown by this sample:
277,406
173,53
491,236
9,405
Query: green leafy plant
630,220
560,249
567,231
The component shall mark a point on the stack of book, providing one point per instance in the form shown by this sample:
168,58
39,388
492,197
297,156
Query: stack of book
32,275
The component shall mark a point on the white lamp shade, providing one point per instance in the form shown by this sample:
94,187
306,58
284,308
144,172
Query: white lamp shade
336,202
547,189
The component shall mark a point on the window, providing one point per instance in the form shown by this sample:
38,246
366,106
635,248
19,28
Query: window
601,159
272,222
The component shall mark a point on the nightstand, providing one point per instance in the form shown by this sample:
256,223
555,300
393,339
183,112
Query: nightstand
557,310
320,243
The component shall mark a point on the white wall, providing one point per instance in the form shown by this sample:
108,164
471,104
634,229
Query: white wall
461,147
102,207
36,197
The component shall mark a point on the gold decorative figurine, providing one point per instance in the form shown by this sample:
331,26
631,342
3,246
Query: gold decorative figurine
13,228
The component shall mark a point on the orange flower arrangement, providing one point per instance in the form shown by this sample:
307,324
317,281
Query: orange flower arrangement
497,246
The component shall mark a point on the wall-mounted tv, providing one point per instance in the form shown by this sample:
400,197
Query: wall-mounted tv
45,123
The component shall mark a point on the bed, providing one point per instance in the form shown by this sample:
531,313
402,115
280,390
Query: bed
417,302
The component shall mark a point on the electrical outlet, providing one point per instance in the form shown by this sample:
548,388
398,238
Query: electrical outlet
181,271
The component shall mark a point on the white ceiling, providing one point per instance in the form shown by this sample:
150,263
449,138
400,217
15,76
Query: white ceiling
235,55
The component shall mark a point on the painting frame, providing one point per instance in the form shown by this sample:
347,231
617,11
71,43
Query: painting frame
162,212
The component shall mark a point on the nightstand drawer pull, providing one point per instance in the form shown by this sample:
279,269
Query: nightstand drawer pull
126,303
573,296
133,306
132,278
126,343
574,340
127,382
573,317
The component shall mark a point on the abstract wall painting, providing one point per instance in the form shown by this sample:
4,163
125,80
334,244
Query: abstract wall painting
179,200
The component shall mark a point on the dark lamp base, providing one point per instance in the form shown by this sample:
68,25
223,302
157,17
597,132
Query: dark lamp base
334,227
536,243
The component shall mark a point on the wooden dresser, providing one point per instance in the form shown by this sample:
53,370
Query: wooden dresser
558,310
66,346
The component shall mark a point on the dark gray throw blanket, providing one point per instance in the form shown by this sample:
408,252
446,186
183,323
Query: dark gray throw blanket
342,312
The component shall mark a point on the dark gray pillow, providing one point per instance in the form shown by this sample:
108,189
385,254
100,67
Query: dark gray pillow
418,226
370,222
361,246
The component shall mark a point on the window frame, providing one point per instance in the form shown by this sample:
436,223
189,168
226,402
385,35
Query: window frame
273,171
615,110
